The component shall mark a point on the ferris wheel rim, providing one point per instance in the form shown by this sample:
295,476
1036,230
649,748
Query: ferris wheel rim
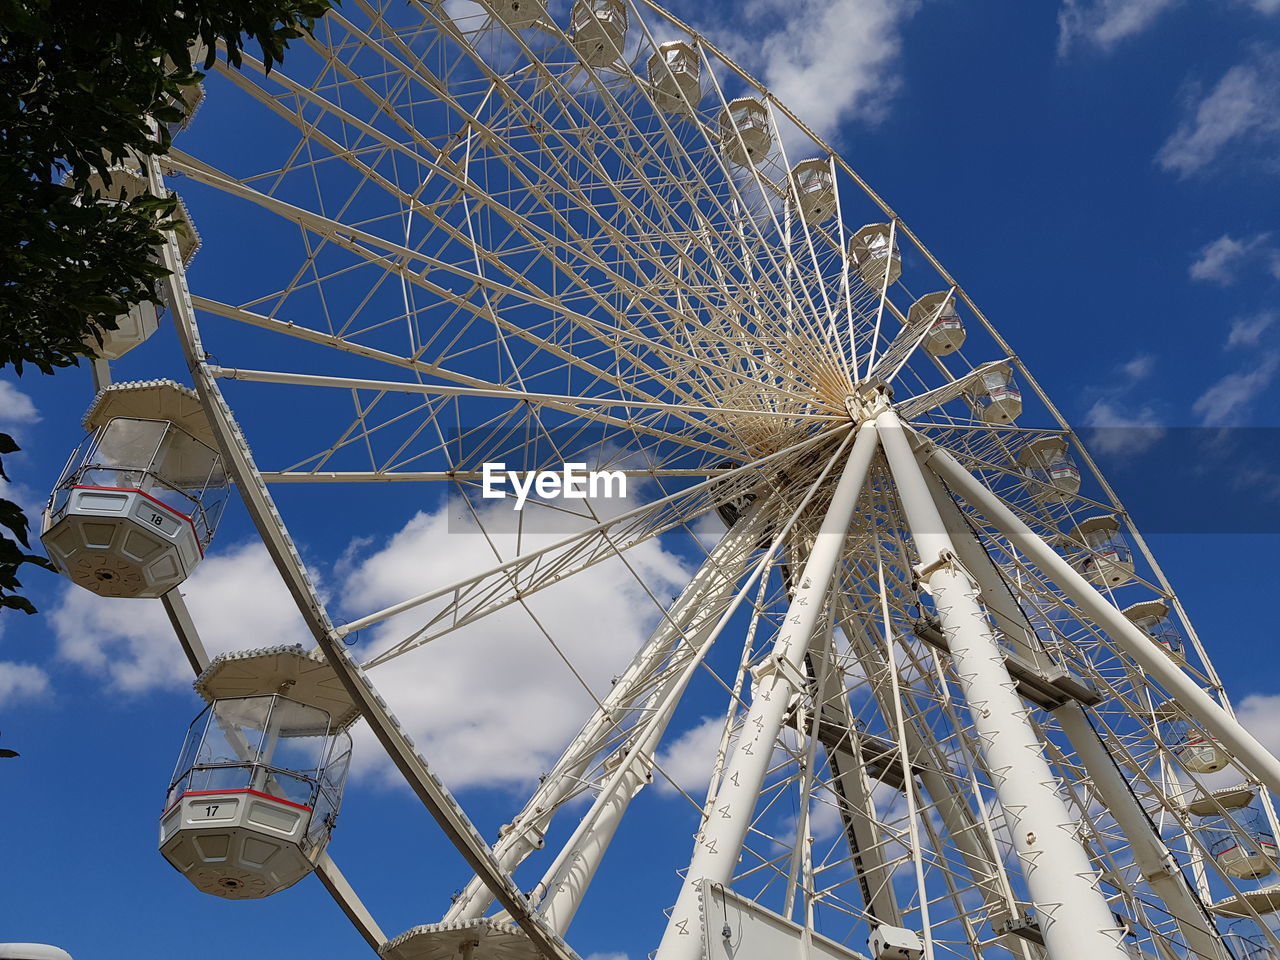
209,373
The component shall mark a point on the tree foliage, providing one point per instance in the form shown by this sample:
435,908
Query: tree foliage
84,87
80,84
13,552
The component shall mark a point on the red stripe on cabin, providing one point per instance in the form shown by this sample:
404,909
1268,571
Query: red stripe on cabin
223,793
158,503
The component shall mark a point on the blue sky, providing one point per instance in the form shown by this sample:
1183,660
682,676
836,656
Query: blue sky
1104,180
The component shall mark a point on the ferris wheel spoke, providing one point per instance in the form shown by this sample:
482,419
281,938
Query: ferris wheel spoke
918,406
1030,810
903,347
632,427
348,154
485,240
978,866
481,594
656,229
334,229
327,871
850,780
419,367
354,240
691,170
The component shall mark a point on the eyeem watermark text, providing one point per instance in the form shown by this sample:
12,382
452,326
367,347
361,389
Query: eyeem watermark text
573,482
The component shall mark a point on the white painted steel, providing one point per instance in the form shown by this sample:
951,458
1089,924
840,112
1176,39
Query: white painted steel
728,816
569,876
686,628
1075,919
682,297
1150,853
1133,641
757,933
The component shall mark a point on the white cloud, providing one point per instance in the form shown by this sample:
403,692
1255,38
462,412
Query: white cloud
1243,105
690,758
16,408
1217,261
708,528
1231,396
1119,430
491,704
22,681
824,818
1139,368
237,601
1247,331
824,822
1260,715
1104,23
1119,427
31,502
827,60
1265,6
494,702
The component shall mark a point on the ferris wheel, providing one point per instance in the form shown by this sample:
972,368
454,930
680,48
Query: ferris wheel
960,710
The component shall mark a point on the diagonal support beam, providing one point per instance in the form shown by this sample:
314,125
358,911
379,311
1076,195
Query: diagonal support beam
1149,852
728,817
1181,688
682,633
962,825
1074,916
852,783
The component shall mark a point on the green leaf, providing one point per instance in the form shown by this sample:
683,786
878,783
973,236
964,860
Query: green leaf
17,603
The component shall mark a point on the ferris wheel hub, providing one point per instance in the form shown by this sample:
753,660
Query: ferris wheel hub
869,399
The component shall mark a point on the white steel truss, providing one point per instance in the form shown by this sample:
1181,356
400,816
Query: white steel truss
472,237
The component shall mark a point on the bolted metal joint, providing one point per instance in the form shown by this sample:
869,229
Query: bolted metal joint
868,401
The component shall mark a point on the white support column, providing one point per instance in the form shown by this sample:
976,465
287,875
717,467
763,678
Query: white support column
1008,617
728,817
1184,691
1149,852
687,625
963,826
1074,917
567,880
